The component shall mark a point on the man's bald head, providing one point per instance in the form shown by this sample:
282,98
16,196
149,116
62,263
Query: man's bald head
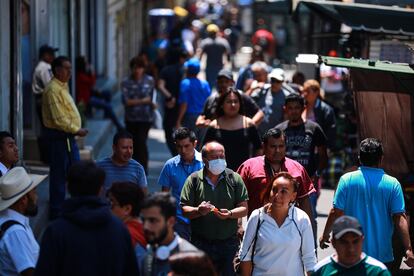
212,148
214,158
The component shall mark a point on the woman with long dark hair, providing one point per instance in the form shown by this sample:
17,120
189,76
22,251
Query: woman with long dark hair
236,132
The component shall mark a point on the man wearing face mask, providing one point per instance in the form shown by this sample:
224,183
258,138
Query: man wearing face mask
214,198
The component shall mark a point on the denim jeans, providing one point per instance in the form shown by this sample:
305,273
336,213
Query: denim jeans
169,121
63,152
139,131
221,252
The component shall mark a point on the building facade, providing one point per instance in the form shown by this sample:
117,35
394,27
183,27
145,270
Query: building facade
108,33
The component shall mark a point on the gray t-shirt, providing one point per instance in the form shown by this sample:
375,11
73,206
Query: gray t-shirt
215,49
271,103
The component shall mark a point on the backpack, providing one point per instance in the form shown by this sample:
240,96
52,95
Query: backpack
6,225
229,179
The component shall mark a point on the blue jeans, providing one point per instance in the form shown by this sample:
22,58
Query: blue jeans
313,198
63,152
221,252
211,75
139,131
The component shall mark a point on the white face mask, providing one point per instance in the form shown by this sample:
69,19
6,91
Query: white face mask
217,166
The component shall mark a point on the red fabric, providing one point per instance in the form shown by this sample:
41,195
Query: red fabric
84,85
136,230
262,33
253,173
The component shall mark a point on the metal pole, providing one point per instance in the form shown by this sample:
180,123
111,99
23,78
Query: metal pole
16,76
72,44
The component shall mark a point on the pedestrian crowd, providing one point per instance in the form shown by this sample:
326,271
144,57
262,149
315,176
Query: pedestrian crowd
257,148
194,226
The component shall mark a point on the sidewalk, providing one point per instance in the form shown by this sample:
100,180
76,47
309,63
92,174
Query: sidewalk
100,133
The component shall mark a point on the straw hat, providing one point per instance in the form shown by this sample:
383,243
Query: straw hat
15,184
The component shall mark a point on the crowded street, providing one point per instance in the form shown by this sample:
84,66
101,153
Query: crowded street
206,137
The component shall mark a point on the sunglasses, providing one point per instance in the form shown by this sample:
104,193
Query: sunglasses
272,80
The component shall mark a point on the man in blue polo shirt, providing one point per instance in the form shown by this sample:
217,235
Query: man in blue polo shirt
376,200
120,167
177,169
193,93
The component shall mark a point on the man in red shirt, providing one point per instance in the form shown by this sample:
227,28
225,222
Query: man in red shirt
257,172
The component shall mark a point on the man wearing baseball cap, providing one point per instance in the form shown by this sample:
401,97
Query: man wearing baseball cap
193,94
19,249
349,259
271,97
214,47
42,75
43,71
224,82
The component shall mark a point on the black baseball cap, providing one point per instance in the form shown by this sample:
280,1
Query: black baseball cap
47,49
293,97
346,224
224,73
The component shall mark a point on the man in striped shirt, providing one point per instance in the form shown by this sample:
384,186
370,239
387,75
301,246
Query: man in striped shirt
120,167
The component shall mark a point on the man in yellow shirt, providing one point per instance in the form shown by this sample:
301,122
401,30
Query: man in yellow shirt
62,123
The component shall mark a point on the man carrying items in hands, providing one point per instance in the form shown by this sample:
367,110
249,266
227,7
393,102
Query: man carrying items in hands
214,198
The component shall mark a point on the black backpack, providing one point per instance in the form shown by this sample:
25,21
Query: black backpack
229,179
6,225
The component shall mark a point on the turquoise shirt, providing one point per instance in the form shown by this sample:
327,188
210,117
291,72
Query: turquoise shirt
366,267
373,197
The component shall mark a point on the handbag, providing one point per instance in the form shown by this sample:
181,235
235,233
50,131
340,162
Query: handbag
237,259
